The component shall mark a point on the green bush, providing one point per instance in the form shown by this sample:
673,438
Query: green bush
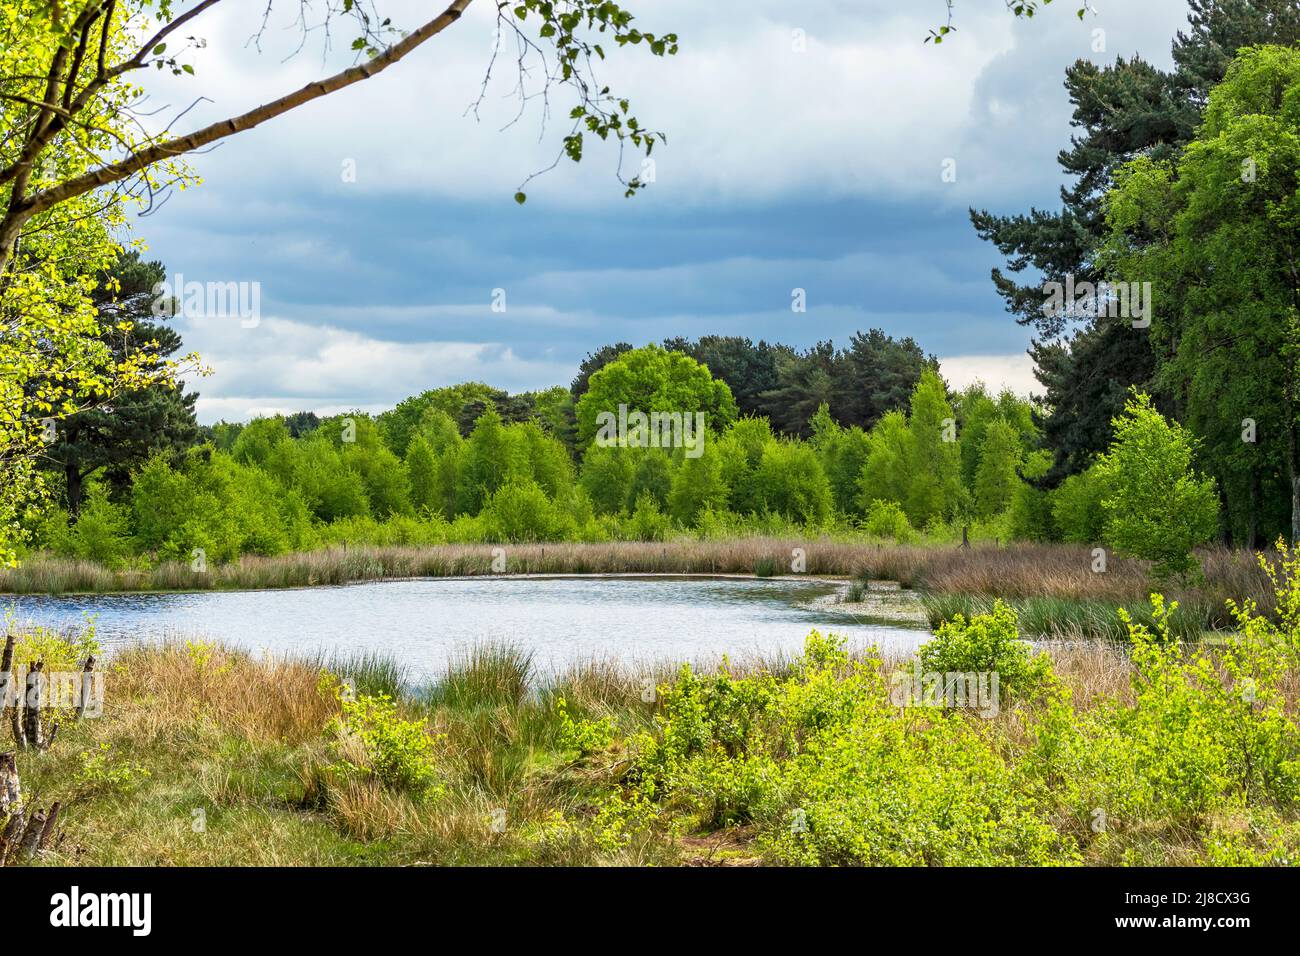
102,530
519,511
886,519
986,643
647,522
1077,509
1157,506
790,482
398,752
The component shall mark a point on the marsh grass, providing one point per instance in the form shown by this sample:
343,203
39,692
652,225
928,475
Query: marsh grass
370,672
249,742
1070,619
1017,572
487,675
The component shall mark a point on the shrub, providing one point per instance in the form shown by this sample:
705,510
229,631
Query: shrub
102,530
886,519
986,643
1076,506
399,753
790,482
647,522
519,511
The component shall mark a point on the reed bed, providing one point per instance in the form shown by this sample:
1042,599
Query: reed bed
1019,570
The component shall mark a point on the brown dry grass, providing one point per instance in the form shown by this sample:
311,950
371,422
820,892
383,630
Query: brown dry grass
261,700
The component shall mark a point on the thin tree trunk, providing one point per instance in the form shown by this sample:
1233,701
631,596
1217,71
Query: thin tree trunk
87,686
72,478
11,790
1252,526
1293,462
13,697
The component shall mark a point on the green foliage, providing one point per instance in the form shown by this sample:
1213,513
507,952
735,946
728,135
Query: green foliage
1157,507
650,380
399,754
101,532
790,482
422,476
647,521
520,511
698,486
1077,507
1214,232
996,477
1030,517
884,473
583,735
986,643
829,773
934,460
101,773
886,519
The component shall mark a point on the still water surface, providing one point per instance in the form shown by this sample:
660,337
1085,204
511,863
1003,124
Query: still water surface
426,622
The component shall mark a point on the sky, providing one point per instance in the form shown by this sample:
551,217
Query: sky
818,145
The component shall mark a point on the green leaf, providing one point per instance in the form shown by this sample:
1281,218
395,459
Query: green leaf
521,198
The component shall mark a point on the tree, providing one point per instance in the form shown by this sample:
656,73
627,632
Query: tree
996,477
73,151
1157,506
876,374
790,482
698,485
741,449
593,363
1077,507
1123,111
749,370
1216,233
258,439
491,457
805,382
82,57
884,474
650,380
843,453
124,432
933,464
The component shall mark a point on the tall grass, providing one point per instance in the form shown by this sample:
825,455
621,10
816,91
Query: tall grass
369,672
1015,571
486,676
333,566
248,740
1070,619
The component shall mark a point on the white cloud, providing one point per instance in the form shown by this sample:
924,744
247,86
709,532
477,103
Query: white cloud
866,110
997,372
281,365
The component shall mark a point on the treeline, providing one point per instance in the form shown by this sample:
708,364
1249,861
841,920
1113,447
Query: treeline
944,465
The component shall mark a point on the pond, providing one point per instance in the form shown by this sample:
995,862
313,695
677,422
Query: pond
427,622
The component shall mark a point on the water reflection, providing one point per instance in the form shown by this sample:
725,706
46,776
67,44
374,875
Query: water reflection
425,622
